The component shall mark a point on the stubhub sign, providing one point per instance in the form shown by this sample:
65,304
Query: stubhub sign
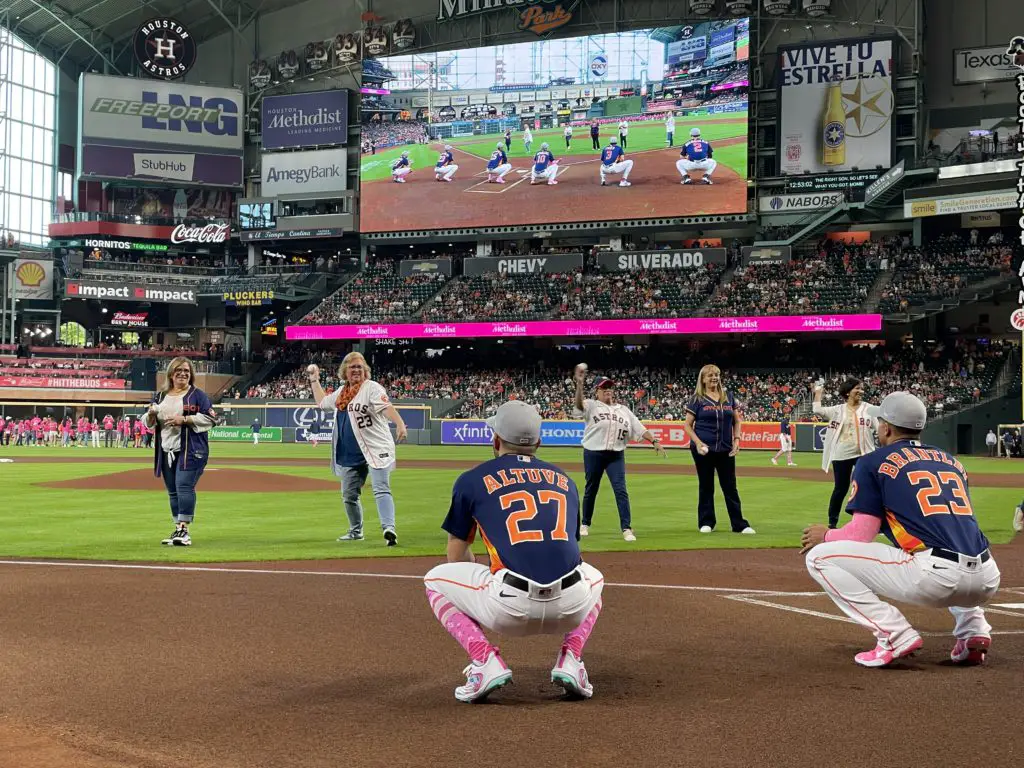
315,172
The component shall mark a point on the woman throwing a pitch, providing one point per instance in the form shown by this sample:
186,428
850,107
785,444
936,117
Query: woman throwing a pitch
182,414
713,424
850,434
361,445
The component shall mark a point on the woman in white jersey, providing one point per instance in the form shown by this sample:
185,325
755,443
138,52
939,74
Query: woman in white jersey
361,444
850,434
608,428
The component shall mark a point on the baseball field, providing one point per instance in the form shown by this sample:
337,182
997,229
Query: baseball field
261,646
469,201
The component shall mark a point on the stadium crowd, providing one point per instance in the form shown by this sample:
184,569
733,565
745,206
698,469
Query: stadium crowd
377,294
376,135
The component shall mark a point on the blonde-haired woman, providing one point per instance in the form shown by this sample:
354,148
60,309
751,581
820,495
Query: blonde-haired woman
183,414
713,424
361,445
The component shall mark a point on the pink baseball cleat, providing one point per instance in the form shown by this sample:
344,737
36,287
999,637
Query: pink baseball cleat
971,652
882,657
552,182
482,679
500,180
570,673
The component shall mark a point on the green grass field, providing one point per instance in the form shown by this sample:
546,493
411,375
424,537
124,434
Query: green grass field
128,525
643,136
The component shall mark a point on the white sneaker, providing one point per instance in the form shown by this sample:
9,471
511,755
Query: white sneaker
775,461
570,673
1018,519
584,530
483,679
749,531
791,464
628,535
625,183
705,529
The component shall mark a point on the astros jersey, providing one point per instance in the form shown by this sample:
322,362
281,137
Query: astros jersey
445,158
920,493
527,512
784,427
498,157
697,149
609,427
401,162
542,160
611,154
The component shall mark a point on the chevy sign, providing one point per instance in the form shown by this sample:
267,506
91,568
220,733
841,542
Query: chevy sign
305,119
318,173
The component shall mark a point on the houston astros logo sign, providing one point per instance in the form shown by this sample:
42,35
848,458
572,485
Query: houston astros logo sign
165,49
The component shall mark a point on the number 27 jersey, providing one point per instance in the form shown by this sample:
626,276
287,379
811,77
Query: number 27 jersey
920,493
527,512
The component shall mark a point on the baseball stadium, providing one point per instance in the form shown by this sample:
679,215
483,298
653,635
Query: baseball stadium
635,379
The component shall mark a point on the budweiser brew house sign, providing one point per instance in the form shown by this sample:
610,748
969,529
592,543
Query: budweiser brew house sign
208,234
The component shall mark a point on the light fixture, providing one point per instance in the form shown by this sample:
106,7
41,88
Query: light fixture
104,310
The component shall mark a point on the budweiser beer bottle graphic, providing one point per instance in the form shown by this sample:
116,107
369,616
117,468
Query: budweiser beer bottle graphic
833,148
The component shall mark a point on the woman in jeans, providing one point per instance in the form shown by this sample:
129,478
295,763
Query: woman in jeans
361,445
182,414
713,424
849,435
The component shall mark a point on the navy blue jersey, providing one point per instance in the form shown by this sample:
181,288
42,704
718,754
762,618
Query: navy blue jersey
527,512
542,160
498,157
445,158
611,154
713,422
784,427
696,149
920,494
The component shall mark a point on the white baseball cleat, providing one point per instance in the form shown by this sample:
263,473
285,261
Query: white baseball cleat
552,182
705,529
625,183
775,461
584,530
483,679
570,673
749,531
687,180
707,180
628,535
1018,519
791,464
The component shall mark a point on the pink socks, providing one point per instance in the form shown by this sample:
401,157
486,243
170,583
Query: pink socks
466,631
576,639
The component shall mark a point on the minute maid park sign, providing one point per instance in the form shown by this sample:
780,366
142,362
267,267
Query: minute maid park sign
537,16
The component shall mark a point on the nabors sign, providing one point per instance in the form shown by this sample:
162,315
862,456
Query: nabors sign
537,16
211,233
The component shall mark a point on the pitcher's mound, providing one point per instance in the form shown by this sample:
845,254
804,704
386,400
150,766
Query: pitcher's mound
224,480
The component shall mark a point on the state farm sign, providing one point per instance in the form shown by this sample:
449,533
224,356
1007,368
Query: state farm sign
211,233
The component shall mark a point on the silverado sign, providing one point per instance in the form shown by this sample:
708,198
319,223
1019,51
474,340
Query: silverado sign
537,16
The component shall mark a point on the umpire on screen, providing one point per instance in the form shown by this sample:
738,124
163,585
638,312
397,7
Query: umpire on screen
608,428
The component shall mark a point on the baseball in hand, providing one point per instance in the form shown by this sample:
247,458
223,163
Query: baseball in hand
702,450
312,370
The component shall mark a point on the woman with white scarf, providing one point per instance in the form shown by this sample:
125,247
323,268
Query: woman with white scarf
361,445
850,434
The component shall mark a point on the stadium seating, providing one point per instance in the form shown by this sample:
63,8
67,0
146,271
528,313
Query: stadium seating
502,297
648,293
376,294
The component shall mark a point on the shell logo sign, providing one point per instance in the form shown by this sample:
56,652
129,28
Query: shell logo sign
33,278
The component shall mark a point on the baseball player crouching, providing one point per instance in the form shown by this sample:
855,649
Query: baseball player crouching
445,167
607,429
545,167
696,156
917,496
613,160
401,168
527,512
498,165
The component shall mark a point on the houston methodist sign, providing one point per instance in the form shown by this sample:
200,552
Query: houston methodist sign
682,325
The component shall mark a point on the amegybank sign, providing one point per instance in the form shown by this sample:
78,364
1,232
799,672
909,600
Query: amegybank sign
318,172
138,292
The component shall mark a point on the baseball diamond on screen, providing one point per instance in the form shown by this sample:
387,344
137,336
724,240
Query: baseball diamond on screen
640,124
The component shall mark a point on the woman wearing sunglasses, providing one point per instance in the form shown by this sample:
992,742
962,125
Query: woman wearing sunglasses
182,414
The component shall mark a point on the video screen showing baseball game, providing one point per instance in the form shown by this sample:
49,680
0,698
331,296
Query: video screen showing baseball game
642,124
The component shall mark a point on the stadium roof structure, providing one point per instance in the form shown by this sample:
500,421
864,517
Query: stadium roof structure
84,35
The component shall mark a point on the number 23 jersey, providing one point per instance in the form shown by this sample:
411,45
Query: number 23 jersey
920,493
527,513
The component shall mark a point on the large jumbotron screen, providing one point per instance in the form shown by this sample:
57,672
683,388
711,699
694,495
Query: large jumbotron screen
454,114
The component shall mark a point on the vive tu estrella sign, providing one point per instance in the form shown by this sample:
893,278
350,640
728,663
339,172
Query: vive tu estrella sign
537,16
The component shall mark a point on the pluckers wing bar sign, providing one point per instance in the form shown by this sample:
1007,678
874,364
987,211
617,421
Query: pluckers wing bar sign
537,16
248,298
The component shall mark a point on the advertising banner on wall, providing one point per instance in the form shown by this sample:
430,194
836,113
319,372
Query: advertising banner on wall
752,256
244,435
305,119
683,51
167,203
831,182
56,382
836,105
116,291
523,265
411,267
318,172
796,203
884,182
635,260
147,130
982,65
33,278
941,206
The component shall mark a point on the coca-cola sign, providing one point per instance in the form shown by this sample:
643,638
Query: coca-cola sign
211,233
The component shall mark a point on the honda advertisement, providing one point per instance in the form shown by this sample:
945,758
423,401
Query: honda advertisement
115,291
147,130
301,120
319,172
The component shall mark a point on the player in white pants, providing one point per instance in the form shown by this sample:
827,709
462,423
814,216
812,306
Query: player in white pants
917,496
618,163
446,172
685,166
401,168
696,156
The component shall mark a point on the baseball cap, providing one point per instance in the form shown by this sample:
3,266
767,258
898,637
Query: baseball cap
902,409
613,140
517,423
603,382
695,131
